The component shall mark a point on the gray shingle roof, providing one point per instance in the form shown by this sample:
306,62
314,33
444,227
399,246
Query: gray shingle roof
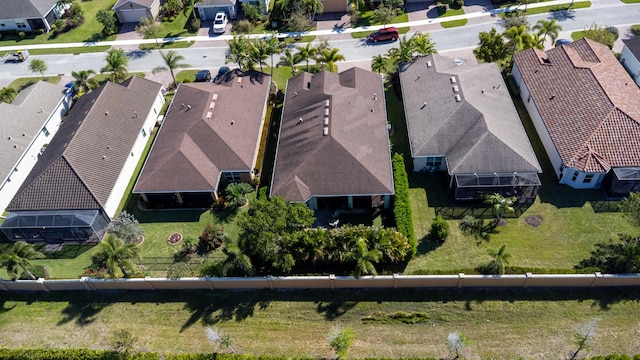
191,150
205,3
588,103
24,9
353,158
23,119
480,133
84,159
634,46
143,3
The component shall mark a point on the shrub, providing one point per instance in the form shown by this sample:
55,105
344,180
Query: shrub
242,27
439,229
21,35
402,206
211,238
614,31
59,25
172,18
635,29
39,271
252,12
457,4
165,19
263,193
195,24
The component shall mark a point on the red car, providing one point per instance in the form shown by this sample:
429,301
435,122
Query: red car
390,33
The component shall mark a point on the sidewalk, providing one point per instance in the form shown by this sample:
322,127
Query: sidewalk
331,33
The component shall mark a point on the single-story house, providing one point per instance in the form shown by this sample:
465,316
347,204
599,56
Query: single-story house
29,15
333,149
28,124
586,110
330,6
209,137
461,119
134,10
76,186
207,9
267,3
630,57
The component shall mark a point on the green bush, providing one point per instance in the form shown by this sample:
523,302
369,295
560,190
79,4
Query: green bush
439,229
402,206
38,271
243,27
635,29
21,35
263,193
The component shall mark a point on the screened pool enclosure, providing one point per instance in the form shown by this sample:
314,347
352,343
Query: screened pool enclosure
56,226
524,186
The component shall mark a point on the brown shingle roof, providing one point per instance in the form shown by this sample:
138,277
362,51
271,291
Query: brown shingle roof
192,150
588,103
353,158
84,159
634,46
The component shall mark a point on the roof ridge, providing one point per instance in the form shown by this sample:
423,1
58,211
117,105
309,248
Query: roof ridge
361,164
80,179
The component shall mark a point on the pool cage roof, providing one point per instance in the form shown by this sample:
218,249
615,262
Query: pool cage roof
484,180
50,219
628,173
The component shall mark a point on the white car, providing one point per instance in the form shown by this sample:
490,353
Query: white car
220,23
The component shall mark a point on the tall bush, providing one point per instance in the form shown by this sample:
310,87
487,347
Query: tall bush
402,205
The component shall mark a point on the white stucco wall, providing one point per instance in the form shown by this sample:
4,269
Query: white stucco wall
111,206
568,174
630,63
11,184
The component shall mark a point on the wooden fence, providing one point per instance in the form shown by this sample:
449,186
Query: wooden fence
330,282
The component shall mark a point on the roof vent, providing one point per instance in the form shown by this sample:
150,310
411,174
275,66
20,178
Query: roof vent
215,97
482,91
24,134
135,114
326,121
326,103
325,131
212,105
375,96
418,77
424,105
188,107
9,138
456,89
209,115
233,122
104,157
326,112
295,93
458,98
372,110
553,96
300,120
428,63
453,80
106,113
239,79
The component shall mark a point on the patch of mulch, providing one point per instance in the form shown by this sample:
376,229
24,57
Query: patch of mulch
533,220
174,238
139,240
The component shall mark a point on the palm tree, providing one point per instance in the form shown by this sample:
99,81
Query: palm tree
364,258
403,53
117,62
384,15
550,28
118,255
312,7
328,59
172,61
423,44
259,53
500,260
306,53
289,59
238,51
7,94
84,82
235,194
379,64
272,47
236,263
18,258
518,39
39,66
501,204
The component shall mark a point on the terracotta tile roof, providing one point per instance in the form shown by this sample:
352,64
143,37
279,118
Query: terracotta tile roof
353,158
201,137
478,132
588,103
84,159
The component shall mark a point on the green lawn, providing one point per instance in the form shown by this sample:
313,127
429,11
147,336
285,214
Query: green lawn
552,8
181,26
366,19
630,1
166,45
454,23
90,31
73,50
22,83
501,324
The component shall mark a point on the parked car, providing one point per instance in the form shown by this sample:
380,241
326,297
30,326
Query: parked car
220,23
223,70
203,76
384,34
562,42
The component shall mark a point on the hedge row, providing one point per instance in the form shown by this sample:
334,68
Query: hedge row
402,205
85,354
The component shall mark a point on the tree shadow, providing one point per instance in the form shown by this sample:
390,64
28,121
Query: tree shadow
236,308
81,311
137,54
425,245
334,309
562,14
4,308
224,214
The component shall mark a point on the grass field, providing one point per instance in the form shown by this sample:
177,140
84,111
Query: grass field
454,23
526,324
365,34
552,8
366,19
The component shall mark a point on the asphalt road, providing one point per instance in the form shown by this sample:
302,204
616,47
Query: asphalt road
353,49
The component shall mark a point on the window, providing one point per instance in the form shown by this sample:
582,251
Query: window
144,133
575,176
587,178
529,98
21,25
45,131
232,176
434,161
